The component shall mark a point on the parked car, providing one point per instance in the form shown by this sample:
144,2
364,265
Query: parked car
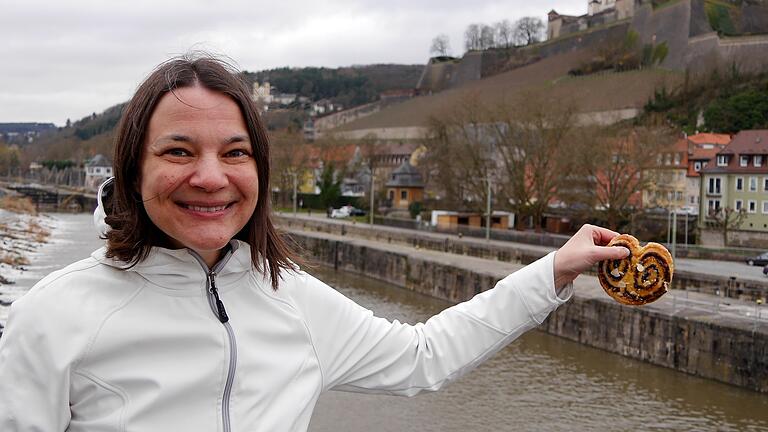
759,260
347,211
341,212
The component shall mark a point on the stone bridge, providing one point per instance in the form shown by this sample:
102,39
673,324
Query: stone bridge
48,197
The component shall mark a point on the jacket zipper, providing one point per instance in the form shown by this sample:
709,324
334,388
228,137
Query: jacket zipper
218,309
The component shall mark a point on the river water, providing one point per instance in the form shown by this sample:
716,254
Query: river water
539,383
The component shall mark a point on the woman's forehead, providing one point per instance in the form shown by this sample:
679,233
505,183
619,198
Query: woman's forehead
196,107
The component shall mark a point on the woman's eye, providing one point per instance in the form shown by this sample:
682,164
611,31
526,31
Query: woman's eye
178,152
237,153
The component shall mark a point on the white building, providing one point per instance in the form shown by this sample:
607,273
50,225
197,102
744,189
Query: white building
597,6
98,169
262,93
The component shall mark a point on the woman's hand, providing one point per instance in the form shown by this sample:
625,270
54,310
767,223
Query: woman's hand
582,251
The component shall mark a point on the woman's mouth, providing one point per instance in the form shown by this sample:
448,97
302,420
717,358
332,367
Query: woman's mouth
205,209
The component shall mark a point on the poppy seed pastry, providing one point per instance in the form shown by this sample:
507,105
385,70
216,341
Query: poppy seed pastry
642,277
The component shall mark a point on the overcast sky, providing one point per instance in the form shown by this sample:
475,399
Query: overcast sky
67,59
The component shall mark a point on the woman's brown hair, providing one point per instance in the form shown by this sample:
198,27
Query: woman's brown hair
132,233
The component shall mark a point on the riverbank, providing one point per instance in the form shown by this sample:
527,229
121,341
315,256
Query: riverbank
23,231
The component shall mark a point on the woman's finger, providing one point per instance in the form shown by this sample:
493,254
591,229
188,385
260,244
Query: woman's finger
602,236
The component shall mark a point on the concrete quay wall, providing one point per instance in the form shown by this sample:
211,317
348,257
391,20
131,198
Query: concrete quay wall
704,345
744,289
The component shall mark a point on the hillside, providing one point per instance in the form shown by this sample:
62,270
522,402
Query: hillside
94,134
348,86
82,139
548,77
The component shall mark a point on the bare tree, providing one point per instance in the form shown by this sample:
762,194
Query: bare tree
458,157
290,160
726,219
532,140
487,37
610,170
529,30
505,35
472,37
441,45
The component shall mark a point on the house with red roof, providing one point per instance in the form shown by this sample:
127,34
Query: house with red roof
737,180
702,149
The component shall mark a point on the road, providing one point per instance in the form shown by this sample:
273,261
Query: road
739,270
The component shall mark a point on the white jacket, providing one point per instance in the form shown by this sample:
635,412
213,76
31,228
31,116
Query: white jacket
96,348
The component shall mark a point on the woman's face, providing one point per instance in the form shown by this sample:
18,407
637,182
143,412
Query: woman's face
198,177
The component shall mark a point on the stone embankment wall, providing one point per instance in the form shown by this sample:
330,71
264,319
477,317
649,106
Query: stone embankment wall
532,246
700,345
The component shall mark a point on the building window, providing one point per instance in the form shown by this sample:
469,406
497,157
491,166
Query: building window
765,207
765,184
744,161
758,162
677,159
404,195
714,186
391,195
753,184
739,183
738,204
752,206
679,195
722,160
697,166
713,205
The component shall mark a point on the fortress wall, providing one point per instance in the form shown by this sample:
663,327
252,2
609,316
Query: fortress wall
748,52
436,76
754,18
669,24
588,39
699,21
469,69
337,119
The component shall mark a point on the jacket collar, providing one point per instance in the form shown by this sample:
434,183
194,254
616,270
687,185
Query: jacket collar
181,270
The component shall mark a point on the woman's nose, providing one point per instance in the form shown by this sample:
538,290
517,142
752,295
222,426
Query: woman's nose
210,174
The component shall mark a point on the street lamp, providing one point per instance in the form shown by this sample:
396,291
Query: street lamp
295,187
488,207
370,167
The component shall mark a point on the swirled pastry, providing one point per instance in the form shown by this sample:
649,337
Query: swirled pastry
642,277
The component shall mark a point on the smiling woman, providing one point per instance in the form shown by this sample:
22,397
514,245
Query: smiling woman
138,337
198,178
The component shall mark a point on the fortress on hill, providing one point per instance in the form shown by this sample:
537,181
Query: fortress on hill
698,34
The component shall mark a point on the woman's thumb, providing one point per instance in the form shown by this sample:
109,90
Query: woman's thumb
612,252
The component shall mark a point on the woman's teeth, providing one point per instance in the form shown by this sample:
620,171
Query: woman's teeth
206,209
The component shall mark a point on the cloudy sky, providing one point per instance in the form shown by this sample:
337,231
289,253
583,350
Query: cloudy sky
67,59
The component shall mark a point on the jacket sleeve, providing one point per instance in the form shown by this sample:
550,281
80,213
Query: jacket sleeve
360,352
34,380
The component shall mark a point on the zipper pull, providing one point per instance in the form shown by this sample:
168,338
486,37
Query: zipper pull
219,304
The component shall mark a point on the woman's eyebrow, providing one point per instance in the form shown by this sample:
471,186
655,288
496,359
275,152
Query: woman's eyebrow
237,139
175,137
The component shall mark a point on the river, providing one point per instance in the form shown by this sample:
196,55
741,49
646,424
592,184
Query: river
539,383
